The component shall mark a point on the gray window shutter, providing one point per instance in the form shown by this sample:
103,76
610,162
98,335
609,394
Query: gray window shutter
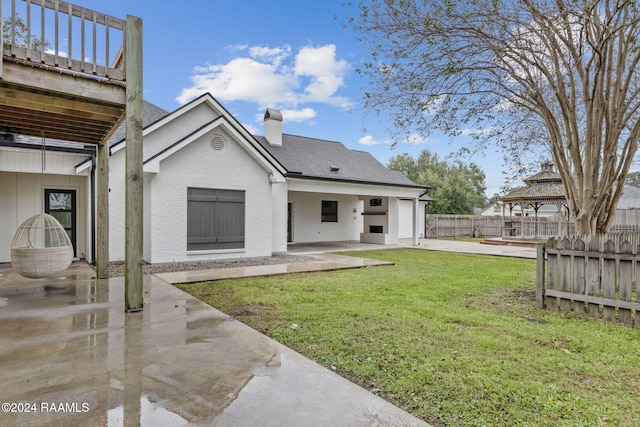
215,219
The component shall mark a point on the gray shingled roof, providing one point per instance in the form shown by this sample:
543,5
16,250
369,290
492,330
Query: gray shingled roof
150,114
545,185
330,160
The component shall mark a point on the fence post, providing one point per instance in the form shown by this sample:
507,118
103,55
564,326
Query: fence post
540,273
455,227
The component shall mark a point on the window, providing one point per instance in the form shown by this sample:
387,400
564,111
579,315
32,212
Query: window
329,211
215,219
375,202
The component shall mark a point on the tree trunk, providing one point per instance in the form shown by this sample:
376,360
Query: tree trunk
586,225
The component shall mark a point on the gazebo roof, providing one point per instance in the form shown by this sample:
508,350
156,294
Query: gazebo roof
545,186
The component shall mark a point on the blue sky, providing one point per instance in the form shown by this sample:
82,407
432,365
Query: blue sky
293,55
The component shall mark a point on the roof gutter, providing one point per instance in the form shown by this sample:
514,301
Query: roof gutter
298,175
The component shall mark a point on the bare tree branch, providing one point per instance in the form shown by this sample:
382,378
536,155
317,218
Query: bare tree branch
554,73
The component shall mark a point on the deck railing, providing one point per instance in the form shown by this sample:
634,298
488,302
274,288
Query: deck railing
55,33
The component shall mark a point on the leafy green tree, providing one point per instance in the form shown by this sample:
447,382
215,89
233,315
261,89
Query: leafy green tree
21,34
553,77
456,188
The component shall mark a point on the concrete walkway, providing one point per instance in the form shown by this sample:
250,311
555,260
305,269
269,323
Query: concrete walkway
427,244
322,262
474,248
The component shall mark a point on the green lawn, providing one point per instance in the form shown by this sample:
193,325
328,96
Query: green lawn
454,339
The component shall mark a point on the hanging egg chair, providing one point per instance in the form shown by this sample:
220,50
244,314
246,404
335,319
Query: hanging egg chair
41,247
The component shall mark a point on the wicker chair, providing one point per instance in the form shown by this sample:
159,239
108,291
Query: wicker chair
41,247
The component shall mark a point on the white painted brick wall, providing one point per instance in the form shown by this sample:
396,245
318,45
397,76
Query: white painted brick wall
196,165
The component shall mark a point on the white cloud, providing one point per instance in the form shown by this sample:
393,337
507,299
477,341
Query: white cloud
241,79
273,55
292,115
271,77
415,139
298,115
368,141
325,72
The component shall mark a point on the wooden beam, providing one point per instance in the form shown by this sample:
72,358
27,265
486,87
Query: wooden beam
72,108
51,80
102,211
102,202
133,270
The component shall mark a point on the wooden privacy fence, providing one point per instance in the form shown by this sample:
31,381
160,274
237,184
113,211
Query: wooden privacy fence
438,226
600,276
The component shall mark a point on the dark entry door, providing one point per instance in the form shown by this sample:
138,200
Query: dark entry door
61,204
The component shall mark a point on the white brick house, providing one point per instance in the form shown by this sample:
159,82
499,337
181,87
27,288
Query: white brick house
212,190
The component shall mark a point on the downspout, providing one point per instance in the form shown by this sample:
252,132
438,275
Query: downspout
93,209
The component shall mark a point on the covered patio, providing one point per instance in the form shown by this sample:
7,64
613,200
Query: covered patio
73,75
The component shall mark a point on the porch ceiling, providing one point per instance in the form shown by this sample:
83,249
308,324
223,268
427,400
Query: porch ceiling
69,107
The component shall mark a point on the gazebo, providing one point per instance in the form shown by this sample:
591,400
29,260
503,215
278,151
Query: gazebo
543,188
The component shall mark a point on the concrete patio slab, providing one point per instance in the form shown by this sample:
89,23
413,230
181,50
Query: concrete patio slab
426,244
323,262
70,355
474,248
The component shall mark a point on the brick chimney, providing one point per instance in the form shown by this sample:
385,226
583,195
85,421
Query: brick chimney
273,127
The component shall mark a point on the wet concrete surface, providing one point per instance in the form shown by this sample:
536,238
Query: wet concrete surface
322,262
70,355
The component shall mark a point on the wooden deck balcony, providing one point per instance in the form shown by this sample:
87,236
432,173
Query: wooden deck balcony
62,73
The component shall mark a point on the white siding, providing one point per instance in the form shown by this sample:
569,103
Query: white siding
394,221
406,219
307,211
22,195
116,206
279,226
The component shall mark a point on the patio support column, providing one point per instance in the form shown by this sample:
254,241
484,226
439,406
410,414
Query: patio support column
416,217
102,210
133,271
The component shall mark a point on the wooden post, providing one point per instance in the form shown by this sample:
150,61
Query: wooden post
102,210
133,272
540,272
